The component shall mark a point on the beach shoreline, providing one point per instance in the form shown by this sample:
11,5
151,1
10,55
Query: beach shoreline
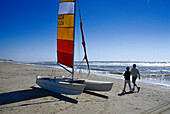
20,94
150,72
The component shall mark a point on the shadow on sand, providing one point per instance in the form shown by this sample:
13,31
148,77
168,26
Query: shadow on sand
121,94
96,94
29,94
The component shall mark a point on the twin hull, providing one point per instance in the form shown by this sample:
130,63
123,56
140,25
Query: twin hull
62,86
97,85
67,86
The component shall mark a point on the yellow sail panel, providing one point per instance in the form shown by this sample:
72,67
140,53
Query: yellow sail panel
65,33
67,0
66,20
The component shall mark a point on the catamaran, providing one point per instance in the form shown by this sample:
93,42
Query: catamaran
65,55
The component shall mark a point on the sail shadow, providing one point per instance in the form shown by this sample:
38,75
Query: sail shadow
96,94
29,94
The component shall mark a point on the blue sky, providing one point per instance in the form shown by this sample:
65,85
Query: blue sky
136,30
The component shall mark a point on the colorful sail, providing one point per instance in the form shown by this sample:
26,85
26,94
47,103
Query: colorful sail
65,32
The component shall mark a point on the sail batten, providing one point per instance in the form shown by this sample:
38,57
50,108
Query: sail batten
67,1
65,32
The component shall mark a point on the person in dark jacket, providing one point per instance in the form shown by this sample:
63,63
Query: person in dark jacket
127,80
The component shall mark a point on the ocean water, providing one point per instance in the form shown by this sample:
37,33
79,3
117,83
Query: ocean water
151,72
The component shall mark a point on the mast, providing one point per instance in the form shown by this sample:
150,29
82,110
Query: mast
74,39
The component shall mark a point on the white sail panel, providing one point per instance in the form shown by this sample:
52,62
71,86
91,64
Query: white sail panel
66,8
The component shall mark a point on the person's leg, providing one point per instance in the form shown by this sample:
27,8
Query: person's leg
124,86
137,85
138,89
133,81
129,85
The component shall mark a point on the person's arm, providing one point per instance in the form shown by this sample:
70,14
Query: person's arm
124,74
138,74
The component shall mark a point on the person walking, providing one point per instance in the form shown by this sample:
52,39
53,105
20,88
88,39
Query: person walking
127,80
135,73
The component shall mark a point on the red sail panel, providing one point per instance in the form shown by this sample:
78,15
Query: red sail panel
65,46
65,58
65,32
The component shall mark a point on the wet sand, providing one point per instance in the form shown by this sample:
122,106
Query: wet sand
20,94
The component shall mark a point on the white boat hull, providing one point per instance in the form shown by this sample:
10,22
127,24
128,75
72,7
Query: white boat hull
62,86
98,85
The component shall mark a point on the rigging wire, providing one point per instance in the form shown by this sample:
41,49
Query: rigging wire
83,41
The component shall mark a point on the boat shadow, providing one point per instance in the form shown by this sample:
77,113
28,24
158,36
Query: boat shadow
96,94
29,94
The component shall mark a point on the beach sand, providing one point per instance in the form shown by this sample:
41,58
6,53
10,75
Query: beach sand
20,94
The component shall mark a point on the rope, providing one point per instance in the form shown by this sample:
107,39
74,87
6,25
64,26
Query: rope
83,41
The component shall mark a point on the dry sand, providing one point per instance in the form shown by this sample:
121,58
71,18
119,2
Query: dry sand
20,94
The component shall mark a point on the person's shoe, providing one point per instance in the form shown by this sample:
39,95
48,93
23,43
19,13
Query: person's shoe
138,89
130,91
123,92
133,89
